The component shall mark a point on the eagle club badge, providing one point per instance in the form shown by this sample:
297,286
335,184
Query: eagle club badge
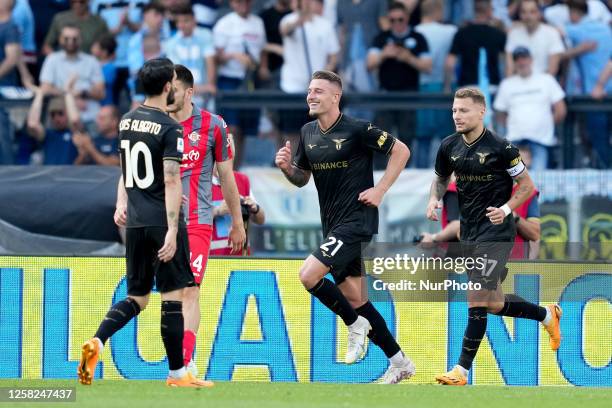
482,157
194,137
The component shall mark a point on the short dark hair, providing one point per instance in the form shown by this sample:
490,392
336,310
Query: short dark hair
429,7
69,25
108,43
396,5
578,5
184,75
482,6
153,5
473,93
328,76
184,9
154,75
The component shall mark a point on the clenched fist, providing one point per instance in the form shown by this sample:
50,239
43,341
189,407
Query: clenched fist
283,158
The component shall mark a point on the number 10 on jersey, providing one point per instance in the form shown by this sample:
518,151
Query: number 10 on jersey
132,155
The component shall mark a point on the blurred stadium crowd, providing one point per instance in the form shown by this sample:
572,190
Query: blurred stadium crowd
76,63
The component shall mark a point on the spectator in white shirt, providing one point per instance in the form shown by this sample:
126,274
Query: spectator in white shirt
529,104
433,123
559,15
59,66
193,47
543,41
310,44
239,39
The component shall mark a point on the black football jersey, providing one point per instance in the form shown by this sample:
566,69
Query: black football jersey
147,137
340,160
484,170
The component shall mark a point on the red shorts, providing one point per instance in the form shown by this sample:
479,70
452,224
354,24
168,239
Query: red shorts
199,247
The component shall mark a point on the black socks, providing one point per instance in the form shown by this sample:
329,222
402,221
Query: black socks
516,306
330,296
380,334
117,317
172,326
474,332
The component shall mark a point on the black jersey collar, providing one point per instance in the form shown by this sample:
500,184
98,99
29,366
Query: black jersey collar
329,129
484,130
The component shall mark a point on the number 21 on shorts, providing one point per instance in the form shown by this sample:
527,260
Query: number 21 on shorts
331,242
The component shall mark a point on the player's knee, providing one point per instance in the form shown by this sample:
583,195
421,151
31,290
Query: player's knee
307,277
191,294
495,307
142,301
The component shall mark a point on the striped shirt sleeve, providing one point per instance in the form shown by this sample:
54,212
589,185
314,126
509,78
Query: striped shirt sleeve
223,148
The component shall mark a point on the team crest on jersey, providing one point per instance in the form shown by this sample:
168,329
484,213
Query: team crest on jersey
482,157
382,139
194,137
338,143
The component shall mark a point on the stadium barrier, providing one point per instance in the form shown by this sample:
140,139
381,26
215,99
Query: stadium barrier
569,135
259,324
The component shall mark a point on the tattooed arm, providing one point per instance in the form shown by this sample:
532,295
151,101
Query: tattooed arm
174,195
522,193
437,191
295,175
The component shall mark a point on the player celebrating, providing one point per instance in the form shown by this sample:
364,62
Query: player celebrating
485,165
148,204
338,151
206,142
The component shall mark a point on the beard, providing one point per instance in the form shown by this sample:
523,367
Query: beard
313,114
170,98
466,130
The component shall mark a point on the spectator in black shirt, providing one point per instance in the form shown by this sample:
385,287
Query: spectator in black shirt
480,33
272,56
399,54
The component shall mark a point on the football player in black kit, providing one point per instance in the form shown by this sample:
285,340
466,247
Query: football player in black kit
485,166
148,205
337,150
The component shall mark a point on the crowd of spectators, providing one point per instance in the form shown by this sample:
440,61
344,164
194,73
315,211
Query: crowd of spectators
80,58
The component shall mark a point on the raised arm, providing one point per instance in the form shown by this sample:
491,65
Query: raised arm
34,126
294,174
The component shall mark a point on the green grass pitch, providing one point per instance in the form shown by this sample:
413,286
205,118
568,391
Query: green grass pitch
153,394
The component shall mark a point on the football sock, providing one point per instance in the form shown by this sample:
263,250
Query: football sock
330,296
516,306
474,332
100,345
380,334
548,316
117,317
398,359
180,373
189,340
172,332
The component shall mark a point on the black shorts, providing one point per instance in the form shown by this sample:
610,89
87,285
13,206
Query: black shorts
143,265
341,252
494,256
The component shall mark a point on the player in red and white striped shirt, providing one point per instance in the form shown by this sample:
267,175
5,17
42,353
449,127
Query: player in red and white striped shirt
206,142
